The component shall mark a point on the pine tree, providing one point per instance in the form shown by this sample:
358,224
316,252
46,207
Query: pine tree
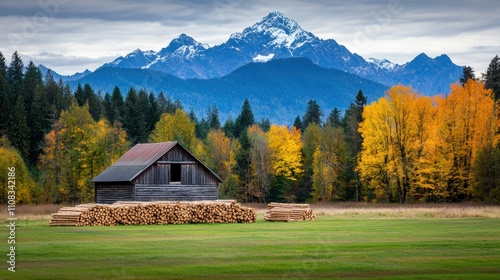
67,97
4,96
242,166
15,76
352,118
106,105
94,101
229,127
297,123
117,105
313,114
162,102
265,124
3,66
142,117
467,73
154,112
40,120
54,93
32,80
213,118
245,119
130,119
18,130
492,77
80,95
334,118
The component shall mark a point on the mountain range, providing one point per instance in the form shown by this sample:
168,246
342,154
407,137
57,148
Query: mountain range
185,64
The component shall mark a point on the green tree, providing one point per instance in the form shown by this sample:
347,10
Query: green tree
154,112
116,108
352,118
265,124
133,118
32,82
492,77
213,118
54,93
310,141
467,73
40,123
486,169
18,130
329,163
242,167
245,119
313,114
261,168
94,102
334,118
4,97
80,95
297,123
15,76
229,127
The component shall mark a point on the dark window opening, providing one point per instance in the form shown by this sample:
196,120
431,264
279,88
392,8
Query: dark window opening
175,173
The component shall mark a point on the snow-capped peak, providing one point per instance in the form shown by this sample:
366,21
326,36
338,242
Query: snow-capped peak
382,63
183,45
278,30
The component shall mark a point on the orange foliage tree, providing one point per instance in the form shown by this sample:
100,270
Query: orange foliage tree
467,121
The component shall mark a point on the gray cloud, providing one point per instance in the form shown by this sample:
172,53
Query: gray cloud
90,33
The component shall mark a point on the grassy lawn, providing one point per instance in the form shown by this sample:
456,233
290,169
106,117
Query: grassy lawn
350,246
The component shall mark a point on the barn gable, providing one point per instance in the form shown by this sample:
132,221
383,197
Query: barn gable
156,171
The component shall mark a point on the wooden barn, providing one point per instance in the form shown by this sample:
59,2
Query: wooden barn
156,171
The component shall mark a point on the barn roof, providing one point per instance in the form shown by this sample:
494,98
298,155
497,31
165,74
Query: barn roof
137,160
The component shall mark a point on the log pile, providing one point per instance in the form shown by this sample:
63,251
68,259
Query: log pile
149,213
288,212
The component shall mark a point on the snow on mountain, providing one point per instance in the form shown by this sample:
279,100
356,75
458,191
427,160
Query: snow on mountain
383,64
279,30
263,58
278,37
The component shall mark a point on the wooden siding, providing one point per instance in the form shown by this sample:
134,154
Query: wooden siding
192,172
177,154
113,193
175,192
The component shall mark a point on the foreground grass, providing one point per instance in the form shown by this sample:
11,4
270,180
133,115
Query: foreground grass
351,246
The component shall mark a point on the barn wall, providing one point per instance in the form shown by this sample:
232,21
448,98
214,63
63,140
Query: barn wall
175,192
112,193
191,174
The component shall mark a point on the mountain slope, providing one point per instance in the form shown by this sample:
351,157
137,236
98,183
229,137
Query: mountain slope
278,90
276,37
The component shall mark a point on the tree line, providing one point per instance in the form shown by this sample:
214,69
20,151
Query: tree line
404,147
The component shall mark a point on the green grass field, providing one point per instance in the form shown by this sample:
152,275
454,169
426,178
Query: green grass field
346,247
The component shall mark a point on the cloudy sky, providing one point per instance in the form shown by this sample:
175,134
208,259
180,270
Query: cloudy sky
70,36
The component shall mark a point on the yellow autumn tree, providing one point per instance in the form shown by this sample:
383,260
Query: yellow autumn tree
218,153
466,119
285,146
176,127
75,151
22,184
376,148
398,133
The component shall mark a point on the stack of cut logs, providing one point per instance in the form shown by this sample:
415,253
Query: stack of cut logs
287,212
158,212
